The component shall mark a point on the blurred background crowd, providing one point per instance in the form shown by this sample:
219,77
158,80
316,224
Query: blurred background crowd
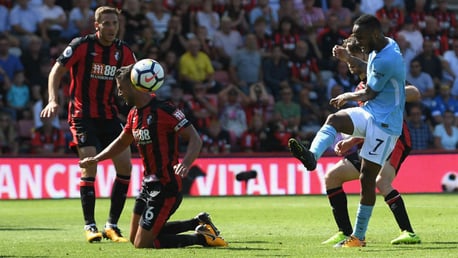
249,74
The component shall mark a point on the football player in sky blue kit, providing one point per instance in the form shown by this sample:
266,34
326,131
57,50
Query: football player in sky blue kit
378,121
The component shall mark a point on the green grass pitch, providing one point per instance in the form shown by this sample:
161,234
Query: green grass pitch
275,226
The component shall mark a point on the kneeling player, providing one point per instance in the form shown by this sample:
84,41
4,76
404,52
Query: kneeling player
155,126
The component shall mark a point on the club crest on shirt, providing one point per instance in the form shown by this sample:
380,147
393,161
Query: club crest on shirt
116,55
68,52
81,137
149,120
178,114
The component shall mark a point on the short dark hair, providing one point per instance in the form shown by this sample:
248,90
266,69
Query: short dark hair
369,21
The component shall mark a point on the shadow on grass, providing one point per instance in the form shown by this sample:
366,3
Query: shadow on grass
251,249
28,229
249,242
232,248
6,256
444,243
246,248
423,246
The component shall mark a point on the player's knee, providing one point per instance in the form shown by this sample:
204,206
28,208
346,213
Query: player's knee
139,245
331,119
331,180
123,163
140,242
383,186
338,121
89,172
124,170
367,182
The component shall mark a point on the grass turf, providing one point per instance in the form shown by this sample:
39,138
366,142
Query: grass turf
276,226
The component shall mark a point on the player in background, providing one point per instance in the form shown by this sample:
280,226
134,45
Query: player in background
379,120
347,169
92,112
155,125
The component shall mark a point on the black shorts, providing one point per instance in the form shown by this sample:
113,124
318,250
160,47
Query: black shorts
156,204
354,159
94,132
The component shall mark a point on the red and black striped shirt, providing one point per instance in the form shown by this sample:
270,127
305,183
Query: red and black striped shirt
155,129
92,68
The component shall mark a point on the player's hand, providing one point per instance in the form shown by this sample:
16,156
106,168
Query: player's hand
181,169
338,101
342,147
340,53
338,148
87,162
345,145
51,110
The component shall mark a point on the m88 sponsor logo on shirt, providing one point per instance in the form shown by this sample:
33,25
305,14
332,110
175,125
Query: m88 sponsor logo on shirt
103,71
142,136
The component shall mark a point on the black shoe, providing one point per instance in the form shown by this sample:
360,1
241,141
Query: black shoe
301,153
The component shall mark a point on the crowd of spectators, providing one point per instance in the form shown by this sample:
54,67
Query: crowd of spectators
250,74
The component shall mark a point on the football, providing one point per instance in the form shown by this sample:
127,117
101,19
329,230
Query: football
450,182
147,75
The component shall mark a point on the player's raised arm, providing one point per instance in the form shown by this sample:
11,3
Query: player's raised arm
361,95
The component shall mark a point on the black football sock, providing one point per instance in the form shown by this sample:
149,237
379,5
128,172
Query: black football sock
176,227
338,200
396,204
118,197
87,196
176,241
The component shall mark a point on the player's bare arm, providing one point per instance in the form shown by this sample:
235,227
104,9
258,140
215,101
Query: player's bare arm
192,151
55,77
116,147
361,95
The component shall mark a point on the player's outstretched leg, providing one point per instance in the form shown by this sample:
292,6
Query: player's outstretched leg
302,153
210,236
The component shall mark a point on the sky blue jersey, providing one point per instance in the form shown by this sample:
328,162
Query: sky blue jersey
386,75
